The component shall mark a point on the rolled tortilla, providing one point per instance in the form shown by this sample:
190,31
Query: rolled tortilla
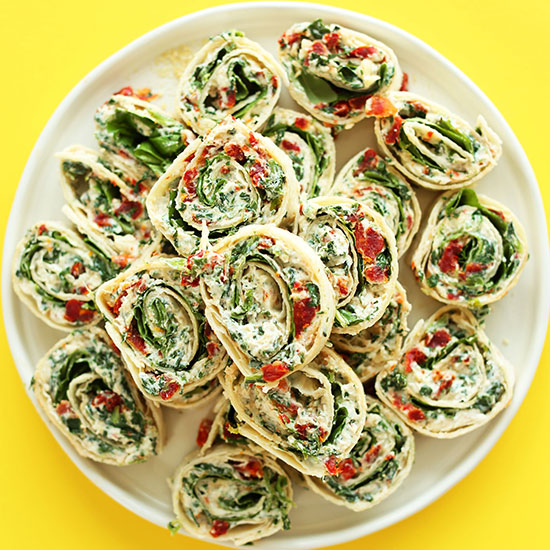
430,145
231,494
368,351
155,316
333,70
311,420
55,272
450,379
310,147
229,75
377,465
104,208
472,251
83,387
360,257
268,300
234,177
367,178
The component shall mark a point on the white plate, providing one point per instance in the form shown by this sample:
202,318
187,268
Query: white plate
517,324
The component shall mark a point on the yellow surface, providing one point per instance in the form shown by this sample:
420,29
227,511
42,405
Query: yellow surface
47,47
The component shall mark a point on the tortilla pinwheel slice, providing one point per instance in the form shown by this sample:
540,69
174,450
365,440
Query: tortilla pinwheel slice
368,351
56,272
139,140
229,75
430,145
231,494
155,316
367,178
360,257
333,70
311,419
233,177
104,208
377,465
310,147
83,387
450,379
472,251
268,299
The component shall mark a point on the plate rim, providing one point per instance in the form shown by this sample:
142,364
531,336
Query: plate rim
482,448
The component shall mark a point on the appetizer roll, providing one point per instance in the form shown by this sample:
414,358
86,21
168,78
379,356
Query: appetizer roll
333,70
360,258
376,466
310,420
268,300
368,351
229,75
104,208
55,273
472,251
232,178
155,316
224,428
367,178
232,494
82,385
450,379
430,145
139,140
310,147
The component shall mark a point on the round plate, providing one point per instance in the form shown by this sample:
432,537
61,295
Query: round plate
439,463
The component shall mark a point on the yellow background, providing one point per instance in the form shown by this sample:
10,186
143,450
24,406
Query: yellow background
46,48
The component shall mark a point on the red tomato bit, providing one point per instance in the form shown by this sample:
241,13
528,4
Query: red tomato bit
204,430
110,399
219,527
75,312
369,243
169,391
380,107
274,371
134,208
135,339
404,83
348,470
438,339
449,258
363,52
392,136
414,356
77,269
252,469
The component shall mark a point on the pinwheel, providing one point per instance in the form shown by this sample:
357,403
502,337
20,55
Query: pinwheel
232,178
155,316
268,300
229,75
139,141
311,420
368,351
310,147
333,70
472,250
430,145
376,466
104,208
368,179
55,273
450,379
232,494
82,385
359,254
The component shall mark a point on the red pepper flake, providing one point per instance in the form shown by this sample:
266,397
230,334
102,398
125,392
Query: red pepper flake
284,418
369,243
252,469
290,146
235,152
474,268
363,52
449,258
274,371
368,162
291,408
373,453
266,242
342,286
414,356
204,430
63,407
409,221
75,312
110,399
127,91
212,349
77,269
380,107
445,385
341,108
189,180
376,274
189,158
169,391
347,469
438,339
219,527
123,153
257,172
145,94
301,123
134,208
392,136
252,139
332,40
404,83
103,220
82,290
135,339
42,229
389,457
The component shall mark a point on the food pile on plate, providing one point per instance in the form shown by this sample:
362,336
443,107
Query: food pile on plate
215,256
